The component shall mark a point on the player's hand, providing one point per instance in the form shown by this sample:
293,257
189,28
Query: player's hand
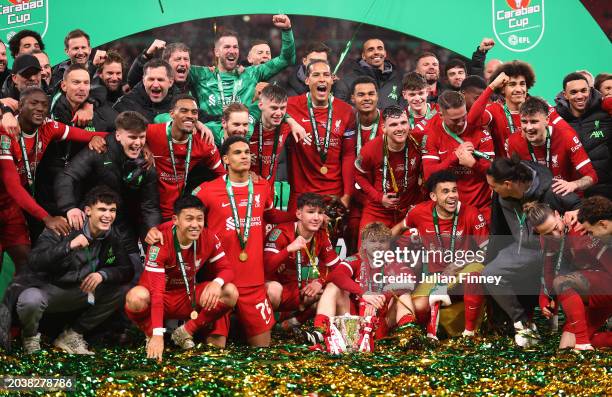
451,270
58,224
79,242
205,133
312,289
97,144
297,244
99,58
10,124
548,310
369,310
570,218
390,200
500,81
154,236
11,103
297,130
486,44
76,218
155,348
467,146
281,21
83,116
345,200
377,301
148,156
465,157
90,282
210,296
258,89
155,47
564,187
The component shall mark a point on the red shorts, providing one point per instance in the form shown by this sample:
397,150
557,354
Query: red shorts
13,227
290,298
254,312
176,307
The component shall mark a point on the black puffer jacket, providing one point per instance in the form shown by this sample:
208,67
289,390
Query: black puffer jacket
136,186
138,101
389,82
594,128
53,262
500,234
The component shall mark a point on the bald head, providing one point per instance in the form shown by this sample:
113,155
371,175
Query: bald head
490,68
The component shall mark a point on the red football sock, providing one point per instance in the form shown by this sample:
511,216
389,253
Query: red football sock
473,298
321,322
601,339
406,319
575,314
206,316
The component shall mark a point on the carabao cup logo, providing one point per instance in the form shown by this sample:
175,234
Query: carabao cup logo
518,24
16,15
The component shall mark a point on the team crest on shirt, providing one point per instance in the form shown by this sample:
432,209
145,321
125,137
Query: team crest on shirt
257,198
555,160
153,252
337,126
413,163
274,235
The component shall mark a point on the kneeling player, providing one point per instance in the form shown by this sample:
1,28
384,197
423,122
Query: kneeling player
361,283
168,288
582,290
298,257
447,226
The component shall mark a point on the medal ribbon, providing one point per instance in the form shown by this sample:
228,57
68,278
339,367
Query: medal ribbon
274,149
532,154
315,129
453,231
173,159
391,173
24,153
313,265
509,119
181,263
242,237
476,153
429,113
220,86
372,132
557,264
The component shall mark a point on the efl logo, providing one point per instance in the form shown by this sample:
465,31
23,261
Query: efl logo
16,15
518,24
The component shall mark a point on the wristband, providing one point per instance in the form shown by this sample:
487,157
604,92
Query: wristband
158,331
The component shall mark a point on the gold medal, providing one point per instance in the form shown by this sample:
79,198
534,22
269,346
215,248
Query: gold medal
243,256
194,315
324,170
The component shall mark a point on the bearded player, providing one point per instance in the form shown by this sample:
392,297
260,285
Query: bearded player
237,207
446,224
168,287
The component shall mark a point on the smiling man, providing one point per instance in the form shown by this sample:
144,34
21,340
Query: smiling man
122,168
582,107
373,63
559,150
153,95
86,269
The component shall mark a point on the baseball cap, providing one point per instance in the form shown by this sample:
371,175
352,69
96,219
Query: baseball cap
25,62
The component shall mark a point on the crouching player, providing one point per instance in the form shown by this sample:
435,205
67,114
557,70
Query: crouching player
577,276
446,228
168,288
361,285
298,257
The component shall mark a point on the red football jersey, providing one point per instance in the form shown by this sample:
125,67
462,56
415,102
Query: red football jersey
304,160
438,154
35,146
221,222
168,185
282,265
261,160
369,174
162,271
472,230
566,154
495,117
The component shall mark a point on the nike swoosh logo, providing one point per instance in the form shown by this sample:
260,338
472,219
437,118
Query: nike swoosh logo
305,120
108,162
442,152
429,231
225,205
